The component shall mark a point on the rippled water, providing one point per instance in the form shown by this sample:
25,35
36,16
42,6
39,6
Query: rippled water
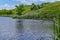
26,29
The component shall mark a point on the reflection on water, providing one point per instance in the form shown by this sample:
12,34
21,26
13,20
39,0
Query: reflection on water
26,29
19,25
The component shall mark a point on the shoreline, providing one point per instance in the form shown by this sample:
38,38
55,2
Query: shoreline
28,18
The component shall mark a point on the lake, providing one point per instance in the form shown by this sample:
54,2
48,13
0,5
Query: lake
26,29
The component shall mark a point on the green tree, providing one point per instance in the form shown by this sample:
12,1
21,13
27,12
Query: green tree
38,6
34,7
20,9
9,12
4,12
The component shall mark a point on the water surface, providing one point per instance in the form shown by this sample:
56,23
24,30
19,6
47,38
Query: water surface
26,29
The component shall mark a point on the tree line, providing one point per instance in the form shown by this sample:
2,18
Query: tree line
21,9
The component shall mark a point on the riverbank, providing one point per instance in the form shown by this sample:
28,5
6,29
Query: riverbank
18,17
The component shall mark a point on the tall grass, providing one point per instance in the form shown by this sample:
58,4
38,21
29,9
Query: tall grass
57,28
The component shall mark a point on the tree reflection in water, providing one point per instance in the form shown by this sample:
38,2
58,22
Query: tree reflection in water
19,26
